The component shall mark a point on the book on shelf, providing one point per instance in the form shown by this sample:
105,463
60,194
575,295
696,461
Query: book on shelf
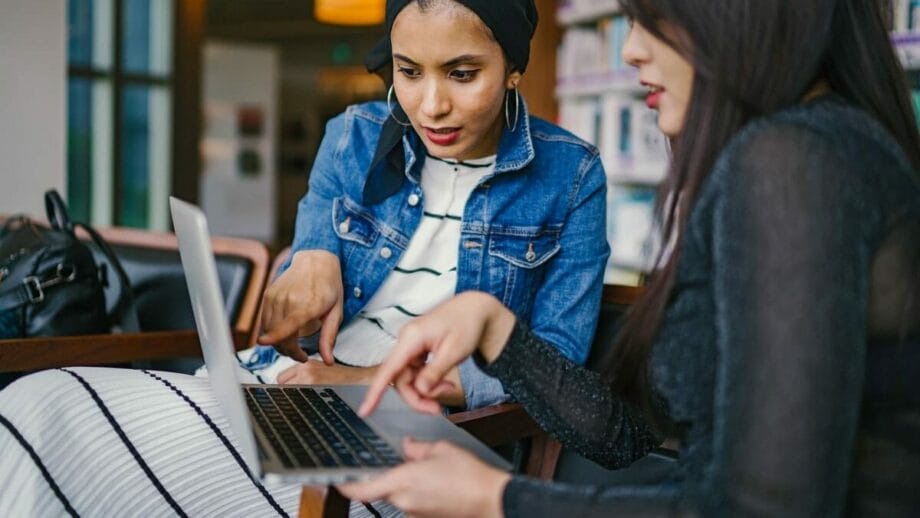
586,53
632,147
571,12
905,16
630,225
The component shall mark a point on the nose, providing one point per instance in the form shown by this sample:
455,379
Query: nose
635,52
435,101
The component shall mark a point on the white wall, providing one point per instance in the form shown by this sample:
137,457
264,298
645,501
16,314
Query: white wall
33,78
236,76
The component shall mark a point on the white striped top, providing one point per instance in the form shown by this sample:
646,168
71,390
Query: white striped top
427,272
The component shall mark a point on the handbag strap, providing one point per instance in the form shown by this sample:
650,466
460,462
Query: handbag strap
58,217
125,311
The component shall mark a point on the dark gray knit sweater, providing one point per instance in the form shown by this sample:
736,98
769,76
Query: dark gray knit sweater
789,352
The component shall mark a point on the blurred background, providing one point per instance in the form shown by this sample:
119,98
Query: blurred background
121,103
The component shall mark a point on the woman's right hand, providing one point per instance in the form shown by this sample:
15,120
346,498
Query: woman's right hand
430,346
306,297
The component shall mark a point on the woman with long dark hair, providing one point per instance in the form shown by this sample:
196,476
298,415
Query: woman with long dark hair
778,341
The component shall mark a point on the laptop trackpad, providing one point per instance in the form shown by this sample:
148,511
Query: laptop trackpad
394,420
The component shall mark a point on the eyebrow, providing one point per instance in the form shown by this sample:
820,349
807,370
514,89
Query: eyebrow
459,60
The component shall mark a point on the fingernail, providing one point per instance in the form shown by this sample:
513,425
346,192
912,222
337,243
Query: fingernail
424,385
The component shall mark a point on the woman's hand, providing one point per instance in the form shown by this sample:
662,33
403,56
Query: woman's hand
449,334
305,298
316,373
438,479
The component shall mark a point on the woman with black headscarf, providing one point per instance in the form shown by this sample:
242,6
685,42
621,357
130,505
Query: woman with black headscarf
446,187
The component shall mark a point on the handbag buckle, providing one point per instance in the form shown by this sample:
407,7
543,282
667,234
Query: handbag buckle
33,289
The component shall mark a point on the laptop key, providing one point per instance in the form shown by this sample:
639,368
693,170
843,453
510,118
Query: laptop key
313,416
302,432
381,448
268,430
291,437
355,444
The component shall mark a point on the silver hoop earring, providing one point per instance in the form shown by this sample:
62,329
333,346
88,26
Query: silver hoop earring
517,109
390,108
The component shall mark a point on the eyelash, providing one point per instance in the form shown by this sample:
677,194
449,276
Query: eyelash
463,76
411,73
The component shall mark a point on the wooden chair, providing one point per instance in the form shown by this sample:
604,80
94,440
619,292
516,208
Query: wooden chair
151,260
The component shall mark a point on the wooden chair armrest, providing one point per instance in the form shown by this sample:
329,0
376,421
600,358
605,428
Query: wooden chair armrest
621,295
498,424
322,502
58,351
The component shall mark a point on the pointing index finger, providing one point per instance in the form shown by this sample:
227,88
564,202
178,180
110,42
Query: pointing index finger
398,361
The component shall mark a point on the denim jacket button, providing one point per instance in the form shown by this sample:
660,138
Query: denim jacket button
530,255
343,227
413,200
386,253
357,292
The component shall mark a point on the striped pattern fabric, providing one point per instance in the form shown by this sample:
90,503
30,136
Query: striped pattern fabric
120,442
427,271
114,442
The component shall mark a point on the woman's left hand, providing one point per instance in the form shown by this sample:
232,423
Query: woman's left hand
438,479
314,372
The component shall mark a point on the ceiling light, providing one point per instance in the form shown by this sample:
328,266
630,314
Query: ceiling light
349,12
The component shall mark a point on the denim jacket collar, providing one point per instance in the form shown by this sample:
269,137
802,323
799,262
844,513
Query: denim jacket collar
515,149
389,167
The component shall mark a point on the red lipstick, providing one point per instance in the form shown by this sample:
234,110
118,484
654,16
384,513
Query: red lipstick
442,136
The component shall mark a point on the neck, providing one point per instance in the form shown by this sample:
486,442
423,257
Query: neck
819,88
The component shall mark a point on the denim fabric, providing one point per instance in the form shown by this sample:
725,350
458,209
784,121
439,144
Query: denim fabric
533,232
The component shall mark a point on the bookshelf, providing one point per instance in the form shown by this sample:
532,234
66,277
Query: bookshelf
571,13
601,101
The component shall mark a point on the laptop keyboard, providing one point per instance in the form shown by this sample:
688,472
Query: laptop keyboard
311,428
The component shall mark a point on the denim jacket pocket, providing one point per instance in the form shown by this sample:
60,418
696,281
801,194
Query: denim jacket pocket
525,248
352,223
517,255
358,231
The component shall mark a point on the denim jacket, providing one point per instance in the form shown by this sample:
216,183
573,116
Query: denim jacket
533,233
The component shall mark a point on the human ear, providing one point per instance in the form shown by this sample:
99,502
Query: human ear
513,79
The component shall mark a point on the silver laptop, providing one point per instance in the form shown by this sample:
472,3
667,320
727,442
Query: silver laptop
297,433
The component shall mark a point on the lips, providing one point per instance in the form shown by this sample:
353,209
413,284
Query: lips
442,136
653,98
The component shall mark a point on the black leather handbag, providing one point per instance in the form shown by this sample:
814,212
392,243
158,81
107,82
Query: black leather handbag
50,283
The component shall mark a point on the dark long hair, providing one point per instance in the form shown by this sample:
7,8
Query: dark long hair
751,58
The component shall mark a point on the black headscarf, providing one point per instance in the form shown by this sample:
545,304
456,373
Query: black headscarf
512,22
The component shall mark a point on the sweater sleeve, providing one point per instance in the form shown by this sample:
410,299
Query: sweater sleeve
571,402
